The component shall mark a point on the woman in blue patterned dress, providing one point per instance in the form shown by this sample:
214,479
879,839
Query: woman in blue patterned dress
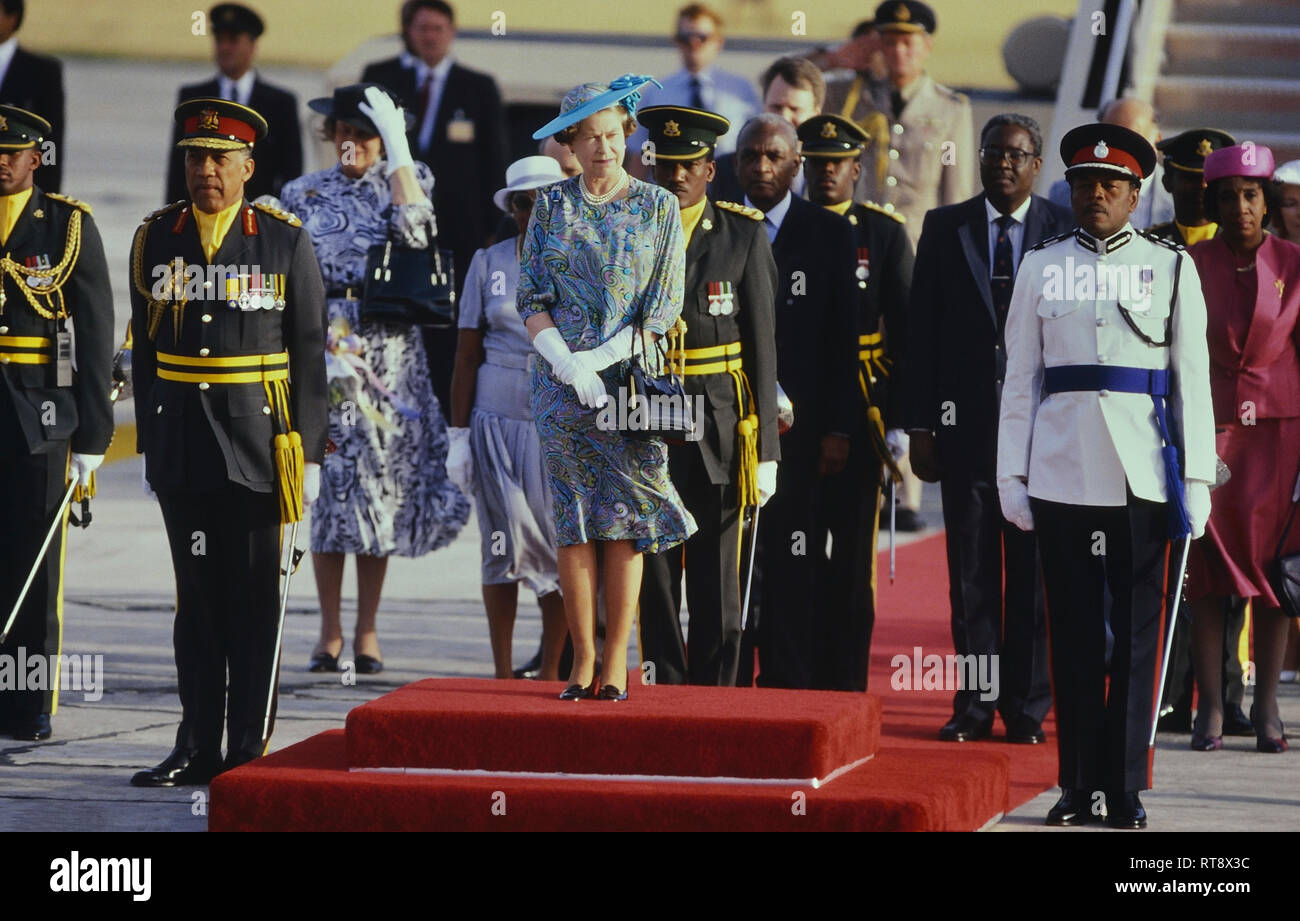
601,250
384,490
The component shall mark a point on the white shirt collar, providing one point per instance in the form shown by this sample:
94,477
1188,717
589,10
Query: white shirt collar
1018,215
777,214
243,87
422,70
7,49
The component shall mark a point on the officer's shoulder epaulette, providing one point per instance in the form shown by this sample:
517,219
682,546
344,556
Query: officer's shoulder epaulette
150,218
1163,241
872,206
751,213
278,213
1048,241
68,200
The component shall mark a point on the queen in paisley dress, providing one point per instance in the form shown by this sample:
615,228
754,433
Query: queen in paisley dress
384,489
603,253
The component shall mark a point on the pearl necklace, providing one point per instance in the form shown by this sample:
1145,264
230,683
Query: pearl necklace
592,198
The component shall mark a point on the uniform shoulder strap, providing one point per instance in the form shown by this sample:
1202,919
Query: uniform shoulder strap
1150,234
1048,241
751,213
278,213
68,200
153,216
872,206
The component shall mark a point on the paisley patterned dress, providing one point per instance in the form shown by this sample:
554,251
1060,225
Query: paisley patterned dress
384,490
594,269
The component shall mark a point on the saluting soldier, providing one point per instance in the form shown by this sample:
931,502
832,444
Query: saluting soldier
1184,179
229,372
832,149
1106,449
729,367
54,397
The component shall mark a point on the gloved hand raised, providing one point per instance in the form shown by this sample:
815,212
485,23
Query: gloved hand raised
390,121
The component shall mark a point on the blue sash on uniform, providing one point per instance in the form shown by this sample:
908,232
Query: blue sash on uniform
1153,381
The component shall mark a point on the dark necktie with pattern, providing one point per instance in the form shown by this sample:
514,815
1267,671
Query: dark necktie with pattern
1004,271
697,93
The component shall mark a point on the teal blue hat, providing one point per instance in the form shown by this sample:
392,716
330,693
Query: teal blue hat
588,98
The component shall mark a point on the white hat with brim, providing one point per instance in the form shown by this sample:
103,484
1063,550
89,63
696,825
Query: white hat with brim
529,173
1288,173
590,98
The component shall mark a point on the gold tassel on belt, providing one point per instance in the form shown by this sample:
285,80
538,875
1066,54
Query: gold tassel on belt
747,443
289,462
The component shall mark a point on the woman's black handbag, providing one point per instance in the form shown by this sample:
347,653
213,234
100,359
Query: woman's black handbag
1284,572
657,405
411,286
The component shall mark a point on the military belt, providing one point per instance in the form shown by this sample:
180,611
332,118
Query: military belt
871,347
25,350
712,359
232,369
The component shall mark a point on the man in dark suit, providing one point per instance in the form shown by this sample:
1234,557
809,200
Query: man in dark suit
460,132
728,361
55,282
227,311
965,269
817,364
33,82
832,149
235,30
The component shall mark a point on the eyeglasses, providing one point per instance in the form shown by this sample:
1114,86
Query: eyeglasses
992,156
686,38
521,201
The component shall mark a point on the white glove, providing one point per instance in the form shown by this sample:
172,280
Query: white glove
624,344
391,122
1198,506
569,369
460,462
1013,495
82,466
310,483
766,481
898,442
144,484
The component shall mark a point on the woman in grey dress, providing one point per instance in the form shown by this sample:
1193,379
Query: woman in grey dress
384,489
494,446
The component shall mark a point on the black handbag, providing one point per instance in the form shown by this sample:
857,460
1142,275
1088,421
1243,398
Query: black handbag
1284,572
416,287
655,405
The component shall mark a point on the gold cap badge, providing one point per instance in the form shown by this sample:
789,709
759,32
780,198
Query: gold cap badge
672,129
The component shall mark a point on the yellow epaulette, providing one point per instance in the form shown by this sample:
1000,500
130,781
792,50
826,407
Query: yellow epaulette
751,213
872,206
150,218
67,200
278,213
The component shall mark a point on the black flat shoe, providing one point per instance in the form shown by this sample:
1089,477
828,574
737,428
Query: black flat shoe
1025,731
1074,808
578,692
1124,810
31,728
610,692
966,729
181,768
531,668
324,662
368,665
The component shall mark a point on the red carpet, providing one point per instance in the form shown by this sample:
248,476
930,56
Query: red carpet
913,782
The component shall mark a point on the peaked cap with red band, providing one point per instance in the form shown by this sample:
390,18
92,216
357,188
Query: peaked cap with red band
1107,148
218,124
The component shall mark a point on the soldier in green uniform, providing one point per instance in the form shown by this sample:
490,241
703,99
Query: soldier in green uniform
227,311
832,150
728,359
56,419
1184,180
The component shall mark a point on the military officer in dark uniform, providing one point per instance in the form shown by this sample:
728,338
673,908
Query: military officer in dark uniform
54,395
227,311
832,148
729,367
1184,180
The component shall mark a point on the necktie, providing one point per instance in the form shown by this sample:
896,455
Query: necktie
770,228
1004,272
697,94
896,103
426,89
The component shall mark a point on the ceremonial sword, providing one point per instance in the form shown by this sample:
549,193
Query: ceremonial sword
1169,640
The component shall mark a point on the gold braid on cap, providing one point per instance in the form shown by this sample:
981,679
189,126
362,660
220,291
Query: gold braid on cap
46,285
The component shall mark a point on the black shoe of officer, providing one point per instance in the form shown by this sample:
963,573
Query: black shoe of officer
183,767
1236,722
1073,808
531,668
1178,720
1124,810
30,728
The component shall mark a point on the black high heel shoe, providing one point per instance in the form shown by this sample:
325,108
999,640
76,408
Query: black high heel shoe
578,692
324,662
611,692
1265,744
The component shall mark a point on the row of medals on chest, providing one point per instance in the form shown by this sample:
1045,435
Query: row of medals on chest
243,287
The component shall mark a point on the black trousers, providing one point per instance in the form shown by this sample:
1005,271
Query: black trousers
225,546
1090,554
995,590
713,593
31,486
847,574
